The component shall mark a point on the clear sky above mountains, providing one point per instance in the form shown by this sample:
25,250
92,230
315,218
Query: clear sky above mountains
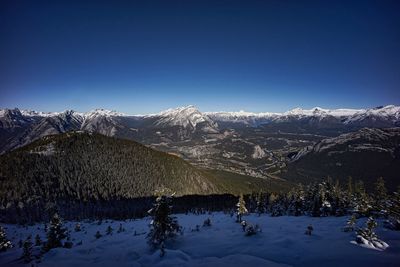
145,56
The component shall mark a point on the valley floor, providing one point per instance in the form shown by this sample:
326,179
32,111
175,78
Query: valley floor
282,242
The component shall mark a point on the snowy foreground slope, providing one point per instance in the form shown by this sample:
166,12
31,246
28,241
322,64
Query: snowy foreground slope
282,242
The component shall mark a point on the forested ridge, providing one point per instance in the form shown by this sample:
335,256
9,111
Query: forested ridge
83,166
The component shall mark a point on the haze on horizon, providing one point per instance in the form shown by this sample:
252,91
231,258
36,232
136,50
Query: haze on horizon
141,57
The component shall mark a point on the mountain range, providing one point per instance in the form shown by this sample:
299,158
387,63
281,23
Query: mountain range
252,144
20,127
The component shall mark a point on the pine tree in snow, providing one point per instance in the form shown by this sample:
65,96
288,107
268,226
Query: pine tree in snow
38,241
260,204
163,226
350,224
316,201
27,250
393,221
296,201
120,228
109,230
55,234
68,243
367,236
4,242
207,222
361,201
250,230
241,208
309,230
381,197
98,235
78,227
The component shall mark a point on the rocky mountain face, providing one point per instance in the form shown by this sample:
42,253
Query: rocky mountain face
364,155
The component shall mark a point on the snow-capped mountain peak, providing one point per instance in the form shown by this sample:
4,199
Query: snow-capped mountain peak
34,113
102,112
188,116
318,111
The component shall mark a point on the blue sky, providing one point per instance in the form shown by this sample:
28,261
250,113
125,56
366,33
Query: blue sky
146,56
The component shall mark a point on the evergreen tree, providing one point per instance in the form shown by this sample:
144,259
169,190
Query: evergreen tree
55,234
38,241
120,229
251,230
394,211
350,224
316,201
368,232
361,201
109,230
296,204
350,187
309,230
163,226
207,222
241,208
98,235
27,250
368,237
78,227
68,243
260,204
380,196
4,242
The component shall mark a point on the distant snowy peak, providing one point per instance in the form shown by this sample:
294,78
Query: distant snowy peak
188,116
391,113
90,114
317,111
243,117
241,114
33,113
102,112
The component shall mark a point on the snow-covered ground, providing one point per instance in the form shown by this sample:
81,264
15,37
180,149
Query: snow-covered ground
282,242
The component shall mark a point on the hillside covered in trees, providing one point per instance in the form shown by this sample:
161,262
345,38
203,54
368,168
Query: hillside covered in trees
82,167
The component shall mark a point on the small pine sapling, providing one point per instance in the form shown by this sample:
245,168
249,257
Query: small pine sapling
4,242
207,222
241,209
120,228
350,224
309,230
27,250
78,227
109,230
252,230
98,235
68,243
38,241
244,225
368,237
